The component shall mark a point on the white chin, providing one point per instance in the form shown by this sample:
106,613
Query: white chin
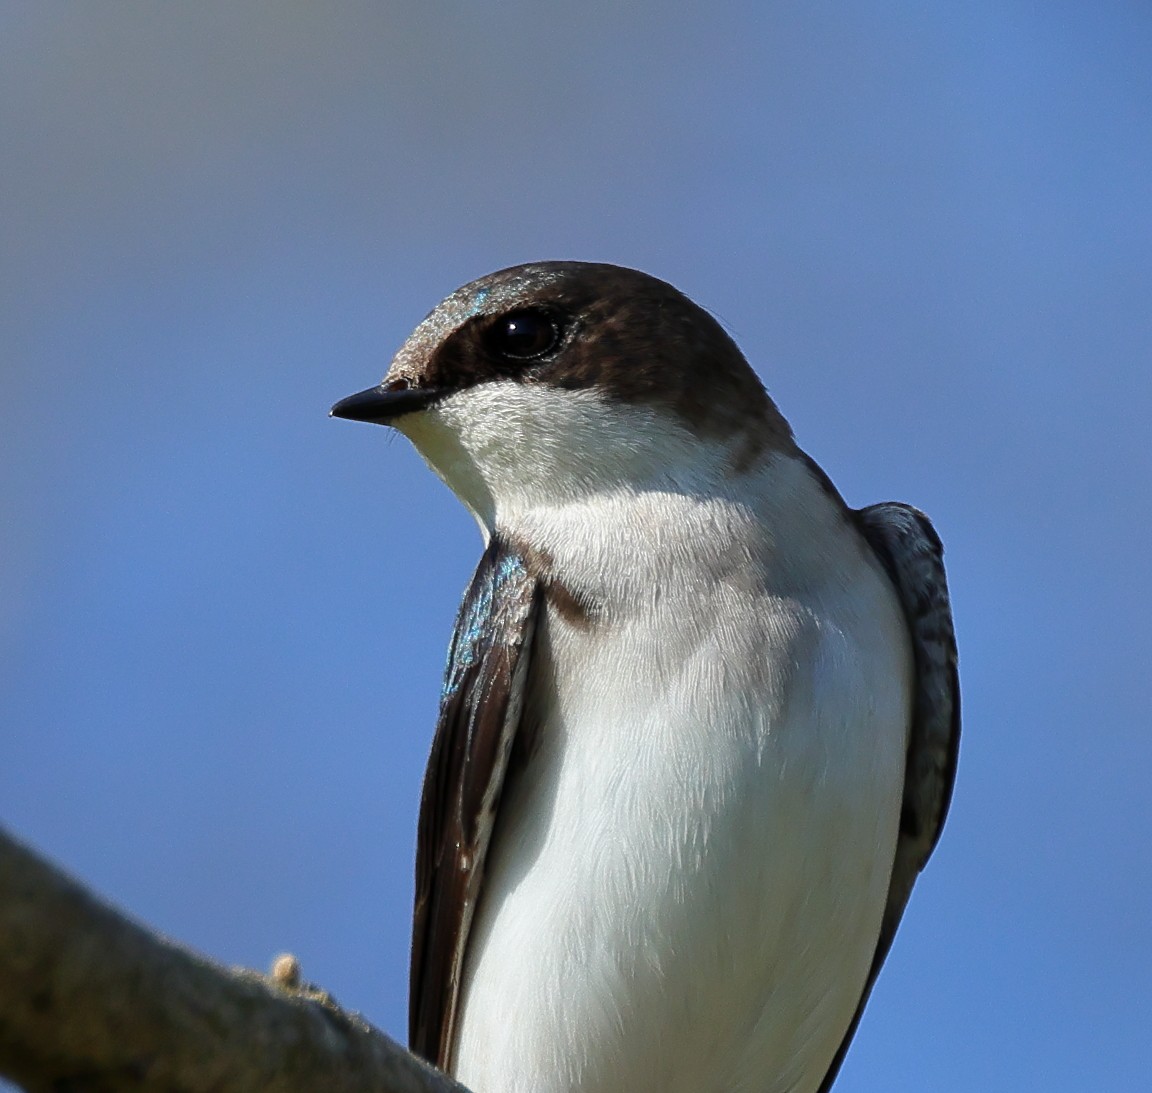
506,448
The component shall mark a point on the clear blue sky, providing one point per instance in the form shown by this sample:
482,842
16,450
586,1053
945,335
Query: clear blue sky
223,616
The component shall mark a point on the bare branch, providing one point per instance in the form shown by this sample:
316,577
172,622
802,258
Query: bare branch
91,1002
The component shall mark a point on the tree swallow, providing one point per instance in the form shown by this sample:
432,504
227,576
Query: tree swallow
700,718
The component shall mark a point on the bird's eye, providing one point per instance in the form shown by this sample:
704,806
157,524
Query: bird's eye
524,335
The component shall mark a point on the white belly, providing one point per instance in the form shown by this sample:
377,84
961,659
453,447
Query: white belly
684,894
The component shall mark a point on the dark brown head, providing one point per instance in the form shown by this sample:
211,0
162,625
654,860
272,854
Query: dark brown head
583,365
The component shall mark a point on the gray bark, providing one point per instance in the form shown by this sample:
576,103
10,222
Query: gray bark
91,1002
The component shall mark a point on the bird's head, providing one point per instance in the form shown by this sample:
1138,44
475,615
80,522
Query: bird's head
546,383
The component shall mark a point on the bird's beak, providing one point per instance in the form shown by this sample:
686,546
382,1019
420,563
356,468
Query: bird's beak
383,404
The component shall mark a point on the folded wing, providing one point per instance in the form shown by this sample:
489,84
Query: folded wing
480,713
910,550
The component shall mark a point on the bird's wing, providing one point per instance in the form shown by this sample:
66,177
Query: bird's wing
909,549
480,714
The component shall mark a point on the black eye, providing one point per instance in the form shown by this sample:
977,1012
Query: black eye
524,335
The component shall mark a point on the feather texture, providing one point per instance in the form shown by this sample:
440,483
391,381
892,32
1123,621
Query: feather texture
911,552
480,713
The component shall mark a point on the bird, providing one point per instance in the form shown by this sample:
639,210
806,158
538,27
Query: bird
699,723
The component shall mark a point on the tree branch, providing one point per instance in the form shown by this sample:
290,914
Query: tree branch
91,1002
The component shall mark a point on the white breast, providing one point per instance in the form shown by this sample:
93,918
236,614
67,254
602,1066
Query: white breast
685,886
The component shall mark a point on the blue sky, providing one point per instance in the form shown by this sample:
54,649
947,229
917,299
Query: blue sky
223,616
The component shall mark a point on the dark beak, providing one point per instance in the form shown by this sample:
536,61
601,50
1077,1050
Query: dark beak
382,405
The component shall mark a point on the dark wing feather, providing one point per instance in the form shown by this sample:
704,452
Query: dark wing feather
479,716
910,550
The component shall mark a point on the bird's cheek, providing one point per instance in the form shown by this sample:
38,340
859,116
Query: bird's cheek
438,441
